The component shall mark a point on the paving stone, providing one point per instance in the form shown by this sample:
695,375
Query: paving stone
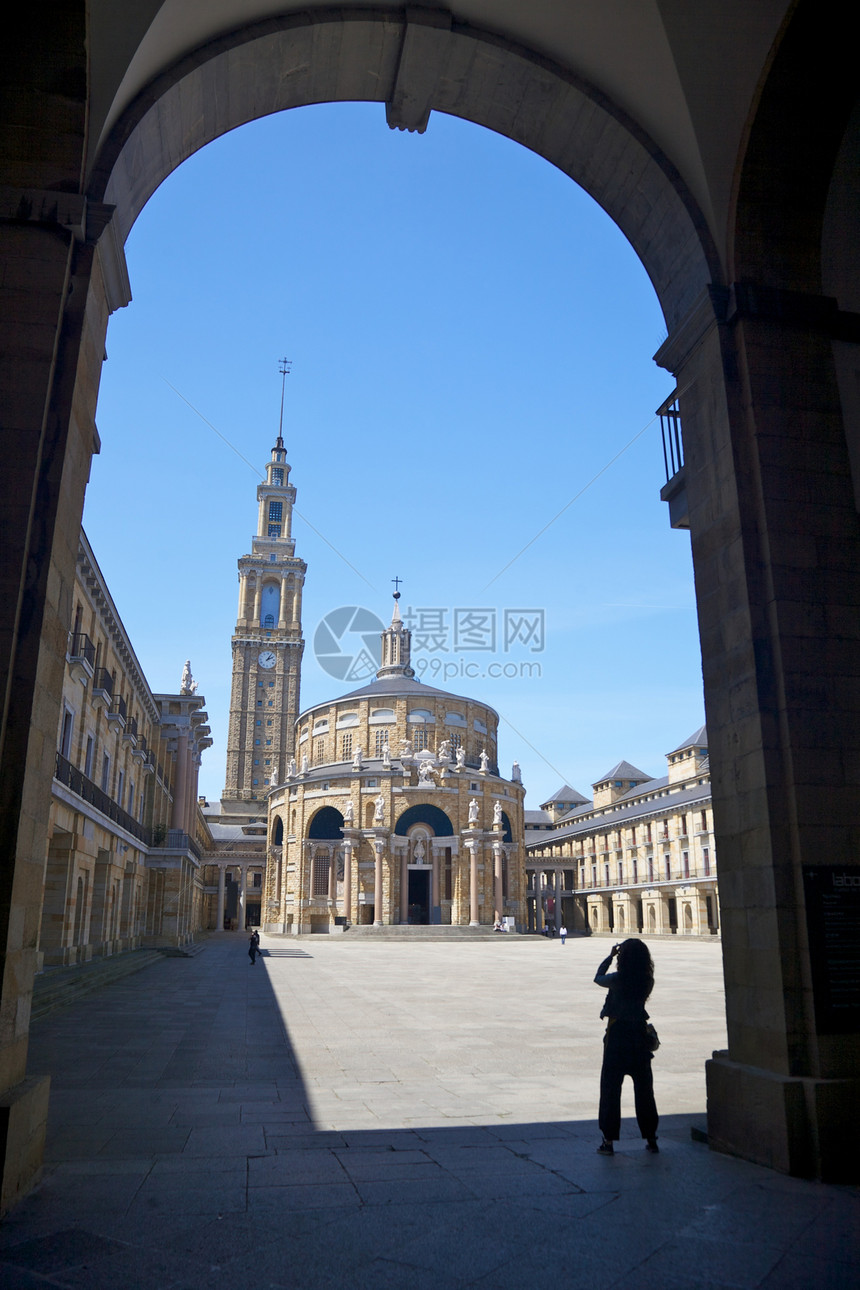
370,1126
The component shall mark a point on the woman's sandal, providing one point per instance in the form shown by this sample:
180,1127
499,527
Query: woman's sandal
606,1148
651,1145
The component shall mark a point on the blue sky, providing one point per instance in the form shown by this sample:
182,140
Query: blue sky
471,340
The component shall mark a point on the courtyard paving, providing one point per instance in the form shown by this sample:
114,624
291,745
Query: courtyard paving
348,1114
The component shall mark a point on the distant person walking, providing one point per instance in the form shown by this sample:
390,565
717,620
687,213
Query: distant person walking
254,946
562,931
626,1044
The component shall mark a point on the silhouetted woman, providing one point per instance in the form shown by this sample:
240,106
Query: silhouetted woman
626,1048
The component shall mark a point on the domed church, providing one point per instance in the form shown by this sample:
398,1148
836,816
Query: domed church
393,811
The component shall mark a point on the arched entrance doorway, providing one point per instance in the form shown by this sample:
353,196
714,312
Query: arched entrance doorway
739,267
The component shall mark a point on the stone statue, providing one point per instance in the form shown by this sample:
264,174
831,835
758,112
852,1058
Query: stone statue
292,768
461,758
349,813
516,773
497,815
187,685
406,750
305,763
356,758
386,757
445,751
473,811
379,808
485,761
425,773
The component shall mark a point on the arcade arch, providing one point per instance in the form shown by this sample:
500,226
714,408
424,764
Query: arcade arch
753,341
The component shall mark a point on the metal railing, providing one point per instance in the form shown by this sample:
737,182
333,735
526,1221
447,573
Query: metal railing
80,646
103,681
84,788
118,707
670,429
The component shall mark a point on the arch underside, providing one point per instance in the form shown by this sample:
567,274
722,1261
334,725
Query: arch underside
415,66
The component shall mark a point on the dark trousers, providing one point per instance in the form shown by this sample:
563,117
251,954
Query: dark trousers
620,1059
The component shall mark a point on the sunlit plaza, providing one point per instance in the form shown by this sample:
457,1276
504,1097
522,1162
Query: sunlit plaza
358,1113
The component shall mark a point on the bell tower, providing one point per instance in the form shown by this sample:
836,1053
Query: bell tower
267,643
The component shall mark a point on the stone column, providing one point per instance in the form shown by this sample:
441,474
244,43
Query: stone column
332,879
297,607
404,885
219,921
776,555
497,880
347,880
283,621
474,909
243,591
435,901
379,850
558,891
240,910
258,597
538,900
180,783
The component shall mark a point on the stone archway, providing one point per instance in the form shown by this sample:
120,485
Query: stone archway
755,346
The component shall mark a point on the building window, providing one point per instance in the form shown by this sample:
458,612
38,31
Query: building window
419,739
620,872
448,879
456,741
594,875
66,736
380,739
686,858
647,832
258,880
276,511
635,871
704,821
345,747
606,875
256,761
319,751
277,475
274,530
88,759
665,828
131,798
320,874
683,826
706,861
668,867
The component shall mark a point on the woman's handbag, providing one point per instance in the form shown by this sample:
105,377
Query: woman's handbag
652,1039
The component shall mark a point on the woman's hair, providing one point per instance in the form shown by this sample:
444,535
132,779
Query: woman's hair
635,969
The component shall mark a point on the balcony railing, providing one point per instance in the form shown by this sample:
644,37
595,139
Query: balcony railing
674,491
118,711
84,788
81,656
176,840
103,686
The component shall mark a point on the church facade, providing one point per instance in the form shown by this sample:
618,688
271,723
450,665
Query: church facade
393,811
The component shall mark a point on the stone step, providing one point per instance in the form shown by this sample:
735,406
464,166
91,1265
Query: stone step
56,987
443,932
183,951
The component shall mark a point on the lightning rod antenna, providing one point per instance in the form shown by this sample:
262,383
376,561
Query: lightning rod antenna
284,368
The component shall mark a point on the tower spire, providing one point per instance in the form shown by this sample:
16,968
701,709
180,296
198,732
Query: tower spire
396,643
